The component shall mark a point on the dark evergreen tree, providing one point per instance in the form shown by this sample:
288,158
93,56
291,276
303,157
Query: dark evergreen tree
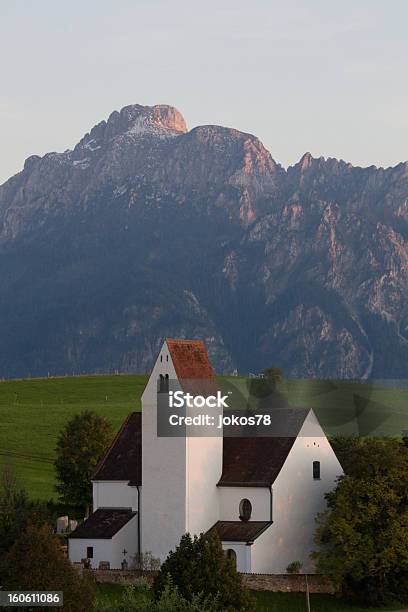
199,565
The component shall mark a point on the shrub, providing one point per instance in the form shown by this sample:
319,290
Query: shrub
199,566
16,511
294,567
35,562
145,562
140,600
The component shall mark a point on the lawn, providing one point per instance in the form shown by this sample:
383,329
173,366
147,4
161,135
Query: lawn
269,602
296,602
32,412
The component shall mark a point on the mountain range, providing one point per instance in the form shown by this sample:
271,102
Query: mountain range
146,230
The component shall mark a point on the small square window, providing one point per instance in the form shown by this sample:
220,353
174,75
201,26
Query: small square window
89,552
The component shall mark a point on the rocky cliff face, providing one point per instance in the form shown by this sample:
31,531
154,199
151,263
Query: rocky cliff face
148,230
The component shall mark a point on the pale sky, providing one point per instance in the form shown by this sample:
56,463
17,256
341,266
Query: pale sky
320,76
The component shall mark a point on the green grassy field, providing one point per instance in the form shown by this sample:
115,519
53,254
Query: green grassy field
32,412
268,602
296,602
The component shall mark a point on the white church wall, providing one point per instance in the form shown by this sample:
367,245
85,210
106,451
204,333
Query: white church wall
230,498
163,501
297,499
243,555
163,365
114,494
203,468
102,550
107,549
125,539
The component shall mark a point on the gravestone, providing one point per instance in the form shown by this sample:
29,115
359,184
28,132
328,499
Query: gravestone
104,565
62,524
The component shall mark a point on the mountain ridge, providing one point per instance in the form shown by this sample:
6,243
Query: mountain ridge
145,229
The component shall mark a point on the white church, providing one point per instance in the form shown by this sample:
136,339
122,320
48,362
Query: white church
260,494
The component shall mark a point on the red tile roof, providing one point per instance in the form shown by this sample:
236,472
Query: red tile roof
190,359
239,531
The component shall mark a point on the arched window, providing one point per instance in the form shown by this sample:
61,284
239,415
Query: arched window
164,383
231,554
245,510
161,384
316,470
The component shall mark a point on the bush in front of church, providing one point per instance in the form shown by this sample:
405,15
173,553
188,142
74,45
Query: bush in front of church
138,599
199,566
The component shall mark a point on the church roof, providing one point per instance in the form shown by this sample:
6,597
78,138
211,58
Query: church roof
123,461
247,461
190,359
104,523
239,531
253,462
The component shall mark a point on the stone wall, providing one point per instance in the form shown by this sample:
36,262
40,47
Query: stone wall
257,582
117,576
293,583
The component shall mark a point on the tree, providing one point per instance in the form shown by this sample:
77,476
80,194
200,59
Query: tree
273,373
80,446
369,457
17,510
199,566
265,392
36,562
363,536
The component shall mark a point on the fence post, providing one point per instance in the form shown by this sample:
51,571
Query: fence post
307,595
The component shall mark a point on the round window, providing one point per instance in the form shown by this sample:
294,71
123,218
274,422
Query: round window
245,509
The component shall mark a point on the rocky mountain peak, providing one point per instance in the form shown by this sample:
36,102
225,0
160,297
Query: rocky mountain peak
139,119
305,161
136,121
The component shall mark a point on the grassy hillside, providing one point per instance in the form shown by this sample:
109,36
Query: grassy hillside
32,412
